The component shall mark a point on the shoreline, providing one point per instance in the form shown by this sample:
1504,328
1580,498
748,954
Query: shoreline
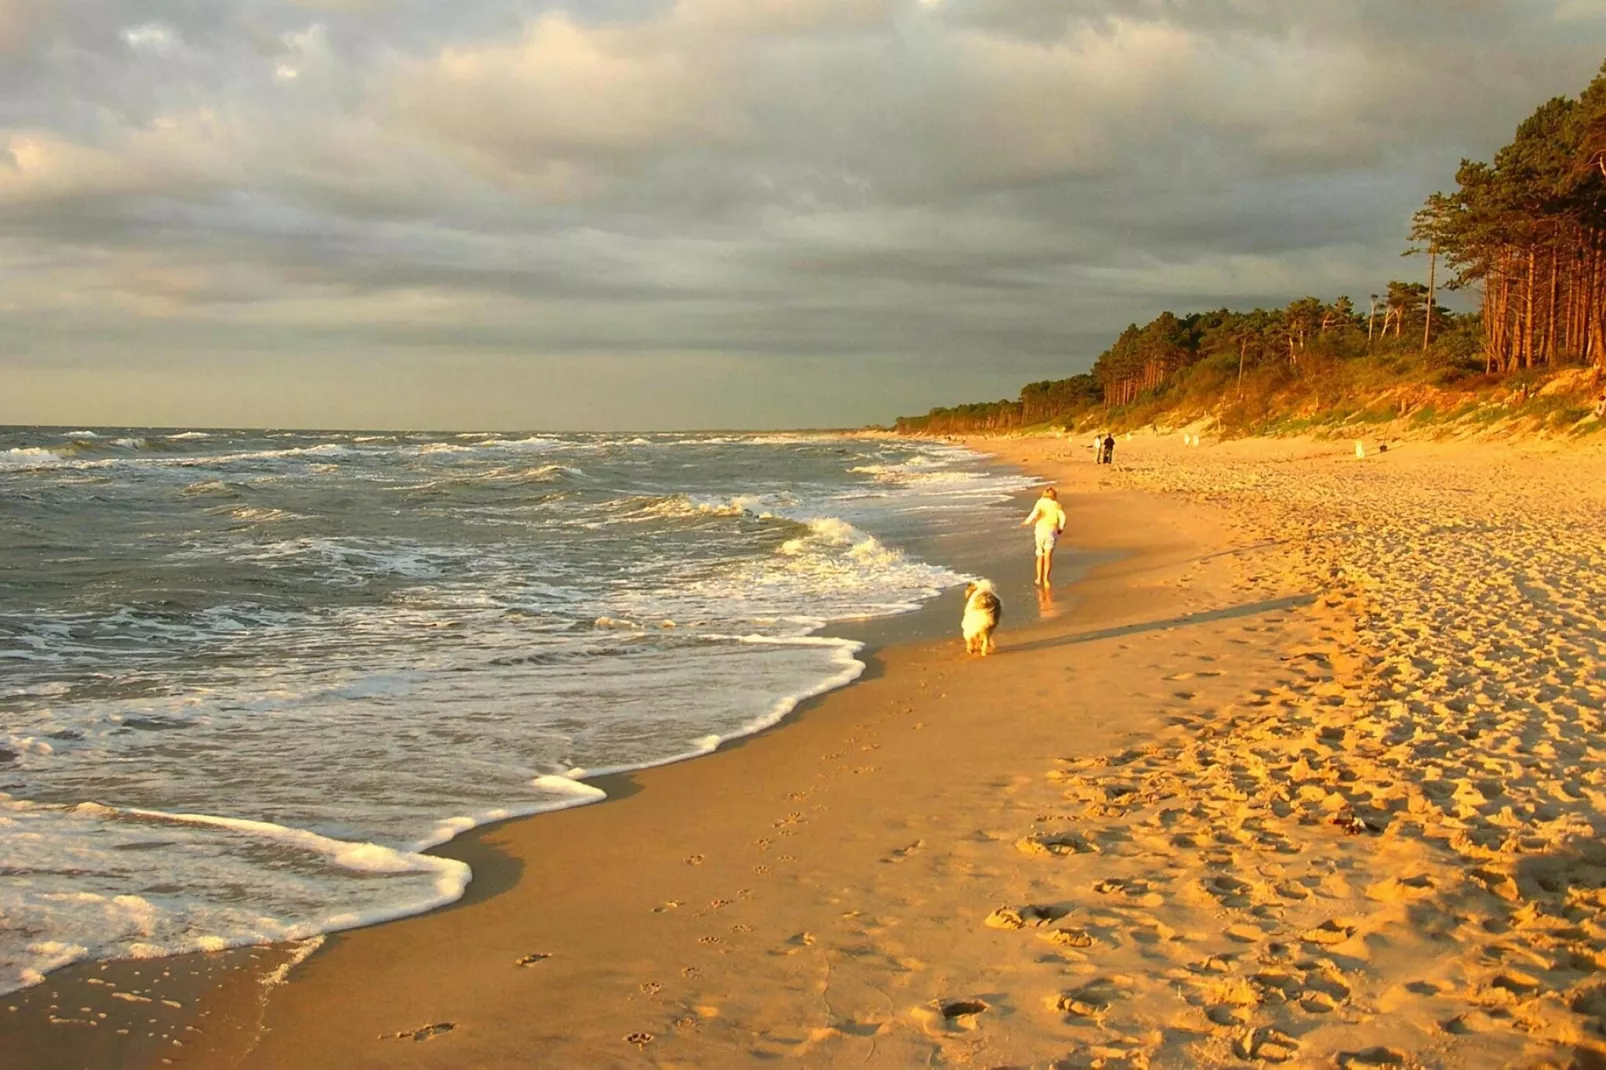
187,989
1288,777
679,864
219,992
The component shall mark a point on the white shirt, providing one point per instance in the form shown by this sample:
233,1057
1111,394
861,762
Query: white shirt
1050,518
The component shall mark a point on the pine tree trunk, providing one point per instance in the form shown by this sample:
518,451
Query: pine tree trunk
1528,314
1591,308
1597,303
1569,327
1427,326
1488,327
1501,322
1550,313
1507,328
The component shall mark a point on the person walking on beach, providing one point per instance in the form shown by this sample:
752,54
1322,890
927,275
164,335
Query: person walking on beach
1047,520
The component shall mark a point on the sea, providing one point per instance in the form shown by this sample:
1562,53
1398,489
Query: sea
247,678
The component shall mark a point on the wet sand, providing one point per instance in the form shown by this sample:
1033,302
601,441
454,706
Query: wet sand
1307,769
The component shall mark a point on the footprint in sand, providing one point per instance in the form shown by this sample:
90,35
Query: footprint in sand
901,853
1265,1043
1072,938
950,1015
427,1032
1092,999
1065,843
1328,933
1019,918
1378,1056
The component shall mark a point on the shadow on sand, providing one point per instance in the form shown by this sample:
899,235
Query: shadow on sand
1210,616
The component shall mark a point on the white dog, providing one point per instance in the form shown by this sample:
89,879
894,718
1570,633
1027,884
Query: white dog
983,610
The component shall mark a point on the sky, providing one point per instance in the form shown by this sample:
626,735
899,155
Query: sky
638,214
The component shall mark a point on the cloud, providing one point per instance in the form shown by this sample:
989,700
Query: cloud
19,22
892,184
565,95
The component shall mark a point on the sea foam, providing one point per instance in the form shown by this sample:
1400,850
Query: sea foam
307,658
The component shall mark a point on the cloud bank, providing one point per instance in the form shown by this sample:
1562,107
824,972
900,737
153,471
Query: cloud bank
700,212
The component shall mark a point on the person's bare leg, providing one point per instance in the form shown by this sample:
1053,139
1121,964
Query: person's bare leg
1045,565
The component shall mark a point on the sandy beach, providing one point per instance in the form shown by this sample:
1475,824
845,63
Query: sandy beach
1305,769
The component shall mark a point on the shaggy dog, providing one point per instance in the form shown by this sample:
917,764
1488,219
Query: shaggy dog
982,613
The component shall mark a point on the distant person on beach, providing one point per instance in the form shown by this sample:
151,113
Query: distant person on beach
1047,520
1107,449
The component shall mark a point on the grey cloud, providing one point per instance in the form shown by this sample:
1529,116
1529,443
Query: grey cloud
980,187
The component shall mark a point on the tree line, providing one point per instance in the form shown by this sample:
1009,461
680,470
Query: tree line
1527,232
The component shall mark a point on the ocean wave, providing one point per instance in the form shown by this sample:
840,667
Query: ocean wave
91,900
322,449
845,668
680,506
484,670
947,473
789,439
534,442
93,455
210,486
340,561
186,435
31,457
493,477
254,515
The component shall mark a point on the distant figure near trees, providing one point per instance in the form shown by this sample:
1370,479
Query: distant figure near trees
1106,453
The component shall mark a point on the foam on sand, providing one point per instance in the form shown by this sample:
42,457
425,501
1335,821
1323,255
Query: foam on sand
63,878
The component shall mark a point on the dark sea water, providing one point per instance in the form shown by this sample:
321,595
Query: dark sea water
247,677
